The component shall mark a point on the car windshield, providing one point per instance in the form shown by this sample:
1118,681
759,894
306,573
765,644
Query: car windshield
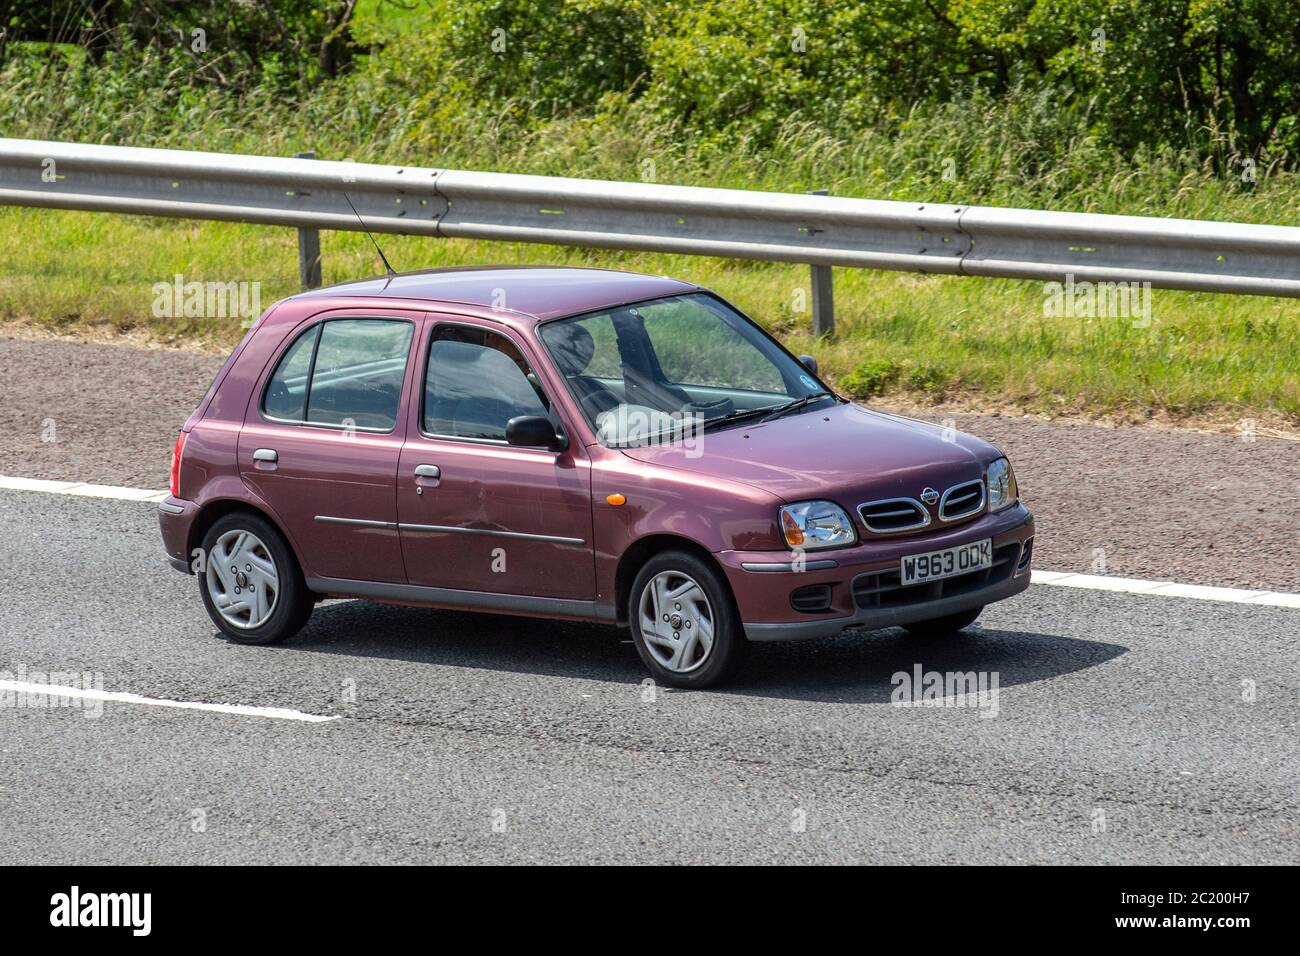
650,370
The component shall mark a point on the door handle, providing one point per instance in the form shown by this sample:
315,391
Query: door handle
266,454
428,471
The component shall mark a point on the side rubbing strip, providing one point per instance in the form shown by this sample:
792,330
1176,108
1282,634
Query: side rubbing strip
519,535
447,529
357,522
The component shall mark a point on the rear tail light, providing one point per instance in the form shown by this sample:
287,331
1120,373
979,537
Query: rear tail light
177,451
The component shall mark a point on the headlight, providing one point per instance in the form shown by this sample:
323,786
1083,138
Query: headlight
1002,485
810,525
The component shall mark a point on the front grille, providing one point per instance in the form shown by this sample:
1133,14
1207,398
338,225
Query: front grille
902,515
962,501
894,515
877,589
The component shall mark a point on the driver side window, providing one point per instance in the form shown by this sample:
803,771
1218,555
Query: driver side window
476,380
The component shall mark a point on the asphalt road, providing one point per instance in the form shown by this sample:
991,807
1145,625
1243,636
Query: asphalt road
1121,733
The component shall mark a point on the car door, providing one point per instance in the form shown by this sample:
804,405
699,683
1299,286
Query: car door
322,439
476,513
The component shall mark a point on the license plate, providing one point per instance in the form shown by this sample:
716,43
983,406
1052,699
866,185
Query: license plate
919,568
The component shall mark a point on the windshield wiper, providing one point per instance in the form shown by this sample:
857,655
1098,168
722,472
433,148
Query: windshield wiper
736,416
766,413
791,406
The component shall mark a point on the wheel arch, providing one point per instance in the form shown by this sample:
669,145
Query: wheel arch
214,511
641,551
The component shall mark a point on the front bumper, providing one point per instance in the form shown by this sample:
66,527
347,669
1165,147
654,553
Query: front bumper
764,581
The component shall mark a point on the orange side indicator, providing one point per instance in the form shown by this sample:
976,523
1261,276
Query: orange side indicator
615,500
793,533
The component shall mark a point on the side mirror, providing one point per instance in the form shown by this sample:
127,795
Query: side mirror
809,363
532,431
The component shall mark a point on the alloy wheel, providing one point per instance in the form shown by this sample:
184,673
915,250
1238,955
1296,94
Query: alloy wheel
242,579
676,621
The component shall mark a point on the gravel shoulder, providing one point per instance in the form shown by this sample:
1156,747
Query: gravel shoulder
1129,501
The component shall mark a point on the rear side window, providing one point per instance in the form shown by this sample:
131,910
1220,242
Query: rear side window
475,382
357,377
286,395
342,373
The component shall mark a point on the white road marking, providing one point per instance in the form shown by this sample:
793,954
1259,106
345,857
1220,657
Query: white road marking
1068,579
82,488
241,710
1199,592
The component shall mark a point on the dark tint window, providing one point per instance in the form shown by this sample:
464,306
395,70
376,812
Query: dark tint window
286,396
476,382
351,377
357,377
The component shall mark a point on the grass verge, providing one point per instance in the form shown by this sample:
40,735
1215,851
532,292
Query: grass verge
925,340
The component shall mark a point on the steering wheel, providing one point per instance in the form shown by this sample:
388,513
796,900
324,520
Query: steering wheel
597,402
723,406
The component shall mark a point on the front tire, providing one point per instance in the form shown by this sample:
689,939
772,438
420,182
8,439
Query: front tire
251,583
684,622
941,627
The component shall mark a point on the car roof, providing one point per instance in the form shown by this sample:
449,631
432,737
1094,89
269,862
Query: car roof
539,292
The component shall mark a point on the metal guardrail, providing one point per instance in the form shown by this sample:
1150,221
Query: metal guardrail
818,230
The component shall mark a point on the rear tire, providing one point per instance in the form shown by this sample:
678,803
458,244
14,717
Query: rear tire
684,622
941,627
251,583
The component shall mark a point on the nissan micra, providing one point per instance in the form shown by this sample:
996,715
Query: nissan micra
576,444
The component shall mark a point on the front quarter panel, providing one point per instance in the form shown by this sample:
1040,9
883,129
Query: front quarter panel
717,516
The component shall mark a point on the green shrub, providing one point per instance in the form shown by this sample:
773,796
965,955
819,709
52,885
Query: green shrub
554,56
870,378
1215,78
927,378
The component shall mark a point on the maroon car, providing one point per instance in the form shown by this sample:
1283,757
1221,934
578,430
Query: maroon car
581,444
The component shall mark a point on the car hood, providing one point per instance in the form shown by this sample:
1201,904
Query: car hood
844,453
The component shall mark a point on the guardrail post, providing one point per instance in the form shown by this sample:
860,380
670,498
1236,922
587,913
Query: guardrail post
309,248
823,293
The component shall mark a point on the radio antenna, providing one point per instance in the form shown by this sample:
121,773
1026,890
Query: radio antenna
391,270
